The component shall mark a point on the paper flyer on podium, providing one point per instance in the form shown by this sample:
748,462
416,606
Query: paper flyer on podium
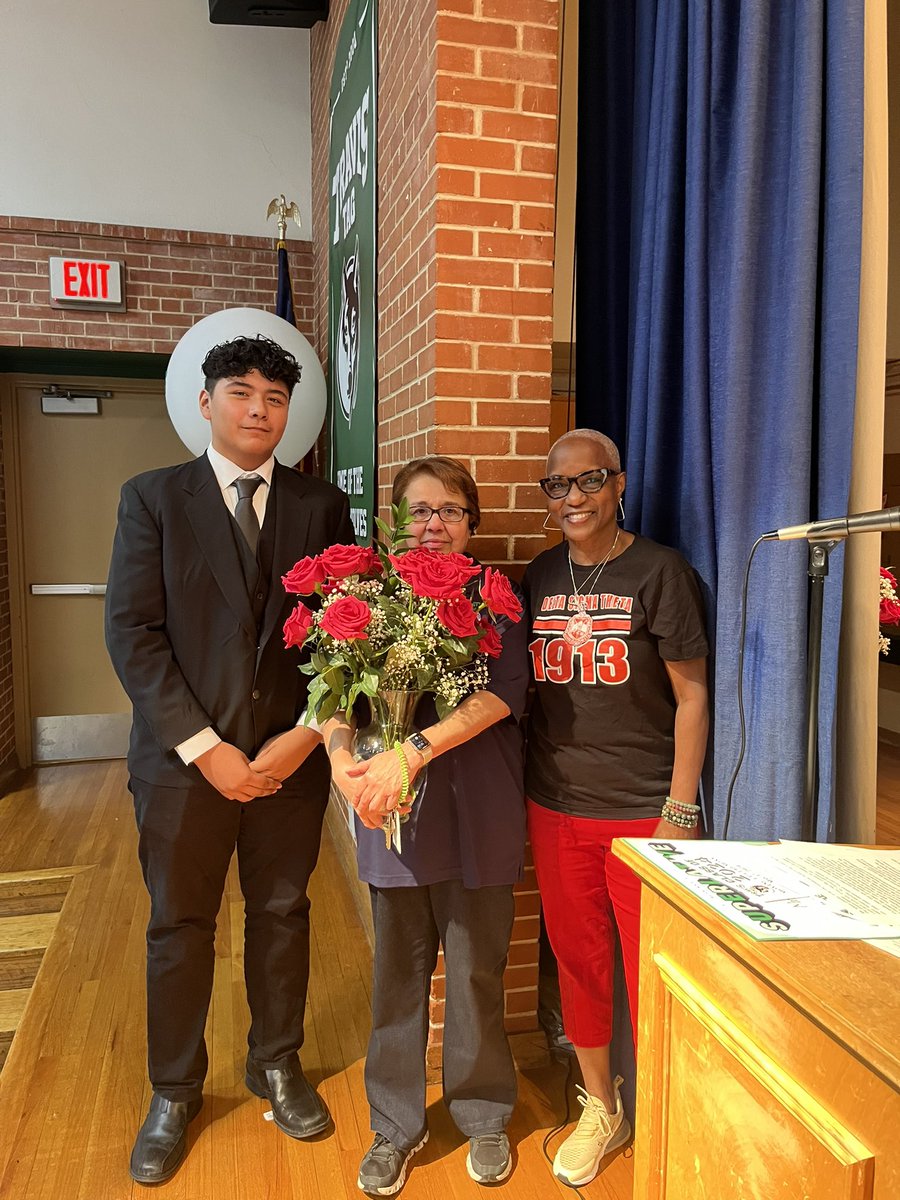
788,890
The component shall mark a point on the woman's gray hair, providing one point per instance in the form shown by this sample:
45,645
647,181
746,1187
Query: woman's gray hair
590,435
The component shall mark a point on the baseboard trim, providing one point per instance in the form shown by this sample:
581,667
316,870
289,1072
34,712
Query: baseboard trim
12,776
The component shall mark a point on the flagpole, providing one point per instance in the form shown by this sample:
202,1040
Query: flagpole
283,211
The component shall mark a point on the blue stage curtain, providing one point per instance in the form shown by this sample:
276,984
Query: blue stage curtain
736,136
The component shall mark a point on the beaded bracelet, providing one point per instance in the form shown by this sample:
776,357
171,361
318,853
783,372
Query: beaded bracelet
683,817
683,804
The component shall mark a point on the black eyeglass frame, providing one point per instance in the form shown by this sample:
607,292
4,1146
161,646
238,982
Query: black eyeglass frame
466,512
604,471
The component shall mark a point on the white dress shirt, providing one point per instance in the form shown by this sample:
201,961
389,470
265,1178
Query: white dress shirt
226,473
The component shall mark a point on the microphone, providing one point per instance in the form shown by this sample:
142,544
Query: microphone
883,520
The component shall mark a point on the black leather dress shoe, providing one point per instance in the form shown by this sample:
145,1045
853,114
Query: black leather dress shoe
162,1139
297,1108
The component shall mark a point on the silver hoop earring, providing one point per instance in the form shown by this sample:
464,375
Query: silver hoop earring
551,525
621,511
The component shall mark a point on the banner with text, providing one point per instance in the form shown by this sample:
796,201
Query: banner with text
351,265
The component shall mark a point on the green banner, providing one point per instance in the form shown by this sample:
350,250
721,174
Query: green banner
351,265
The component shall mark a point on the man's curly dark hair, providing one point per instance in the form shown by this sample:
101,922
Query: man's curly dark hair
235,358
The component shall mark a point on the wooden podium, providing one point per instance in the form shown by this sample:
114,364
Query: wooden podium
765,1069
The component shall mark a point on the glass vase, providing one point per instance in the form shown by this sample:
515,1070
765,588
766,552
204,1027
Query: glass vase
392,716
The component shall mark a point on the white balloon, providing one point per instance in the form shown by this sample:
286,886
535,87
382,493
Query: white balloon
184,379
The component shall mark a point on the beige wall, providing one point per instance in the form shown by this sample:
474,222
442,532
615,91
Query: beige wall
150,115
892,424
563,280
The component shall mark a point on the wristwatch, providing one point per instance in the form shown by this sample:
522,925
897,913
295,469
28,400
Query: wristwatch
421,743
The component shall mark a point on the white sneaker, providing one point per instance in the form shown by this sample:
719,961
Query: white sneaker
596,1134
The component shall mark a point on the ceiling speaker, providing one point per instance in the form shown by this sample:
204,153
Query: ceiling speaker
283,14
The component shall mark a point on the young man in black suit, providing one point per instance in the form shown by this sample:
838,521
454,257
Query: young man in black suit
217,761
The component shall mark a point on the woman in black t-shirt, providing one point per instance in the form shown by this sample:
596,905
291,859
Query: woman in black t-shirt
616,742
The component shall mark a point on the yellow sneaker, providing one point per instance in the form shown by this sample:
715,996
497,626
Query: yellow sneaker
596,1134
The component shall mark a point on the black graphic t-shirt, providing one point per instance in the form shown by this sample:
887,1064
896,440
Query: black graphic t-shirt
601,734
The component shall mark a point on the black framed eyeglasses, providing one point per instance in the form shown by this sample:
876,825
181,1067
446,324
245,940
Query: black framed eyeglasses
450,514
557,487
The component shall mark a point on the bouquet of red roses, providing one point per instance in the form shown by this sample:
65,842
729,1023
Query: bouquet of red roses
888,606
393,619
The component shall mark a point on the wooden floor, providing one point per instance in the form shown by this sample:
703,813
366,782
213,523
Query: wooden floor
73,1090
887,815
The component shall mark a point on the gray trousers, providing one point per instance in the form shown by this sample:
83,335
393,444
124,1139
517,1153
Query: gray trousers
479,1077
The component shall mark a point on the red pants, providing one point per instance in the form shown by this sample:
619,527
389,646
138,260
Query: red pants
584,889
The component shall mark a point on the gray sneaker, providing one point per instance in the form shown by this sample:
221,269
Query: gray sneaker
489,1159
383,1170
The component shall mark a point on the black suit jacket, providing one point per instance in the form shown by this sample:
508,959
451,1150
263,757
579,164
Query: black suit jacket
179,625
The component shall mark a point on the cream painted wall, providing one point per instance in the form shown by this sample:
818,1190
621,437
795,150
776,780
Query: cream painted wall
140,112
892,424
563,299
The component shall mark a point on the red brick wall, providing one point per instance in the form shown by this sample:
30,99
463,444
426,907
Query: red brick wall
466,169
496,153
173,277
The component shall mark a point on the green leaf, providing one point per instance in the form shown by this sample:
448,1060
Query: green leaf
456,652
320,661
369,683
329,707
334,679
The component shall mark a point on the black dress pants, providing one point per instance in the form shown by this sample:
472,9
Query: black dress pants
479,1077
187,838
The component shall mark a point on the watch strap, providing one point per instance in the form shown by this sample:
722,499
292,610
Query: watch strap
421,743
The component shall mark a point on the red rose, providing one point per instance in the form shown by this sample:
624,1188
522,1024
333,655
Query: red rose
346,619
497,593
458,616
297,626
341,561
888,609
489,643
433,574
303,576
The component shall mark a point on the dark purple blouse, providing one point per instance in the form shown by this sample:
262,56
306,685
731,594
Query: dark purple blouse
468,822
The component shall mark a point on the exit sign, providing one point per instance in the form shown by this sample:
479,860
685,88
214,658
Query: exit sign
77,282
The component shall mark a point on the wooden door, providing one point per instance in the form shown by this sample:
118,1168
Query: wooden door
68,470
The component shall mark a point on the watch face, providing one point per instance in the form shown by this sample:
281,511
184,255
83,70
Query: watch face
420,742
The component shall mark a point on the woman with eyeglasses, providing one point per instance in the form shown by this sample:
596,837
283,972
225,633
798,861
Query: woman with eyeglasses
451,884
616,742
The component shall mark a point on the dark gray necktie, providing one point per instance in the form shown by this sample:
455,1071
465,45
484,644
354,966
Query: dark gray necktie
245,513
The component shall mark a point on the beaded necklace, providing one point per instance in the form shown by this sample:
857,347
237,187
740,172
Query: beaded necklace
580,625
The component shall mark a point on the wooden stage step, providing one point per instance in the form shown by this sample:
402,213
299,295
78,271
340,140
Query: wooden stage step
34,891
12,1005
